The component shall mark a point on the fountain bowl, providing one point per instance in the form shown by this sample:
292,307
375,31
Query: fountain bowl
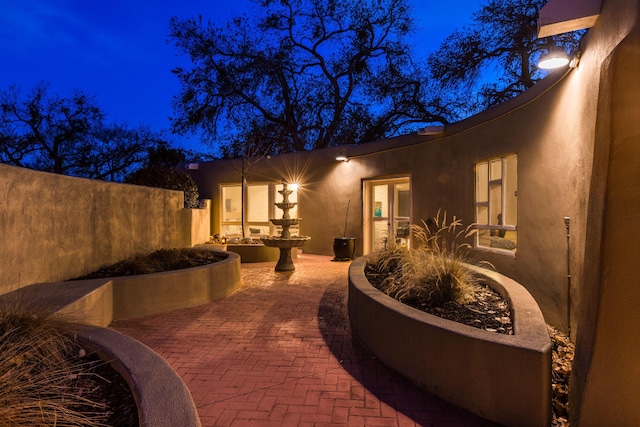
289,242
285,244
286,221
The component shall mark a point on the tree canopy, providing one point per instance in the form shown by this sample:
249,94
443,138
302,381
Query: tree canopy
67,135
159,170
494,59
302,74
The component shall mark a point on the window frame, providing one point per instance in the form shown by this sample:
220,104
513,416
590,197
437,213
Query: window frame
503,182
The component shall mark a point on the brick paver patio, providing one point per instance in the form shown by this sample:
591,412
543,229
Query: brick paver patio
279,352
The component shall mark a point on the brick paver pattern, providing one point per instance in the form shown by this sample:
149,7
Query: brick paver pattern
279,352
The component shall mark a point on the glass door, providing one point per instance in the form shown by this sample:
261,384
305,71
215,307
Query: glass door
387,215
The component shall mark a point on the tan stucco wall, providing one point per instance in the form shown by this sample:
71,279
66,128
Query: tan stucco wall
199,222
54,227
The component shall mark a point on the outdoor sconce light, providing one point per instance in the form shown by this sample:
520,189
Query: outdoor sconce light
342,157
556,58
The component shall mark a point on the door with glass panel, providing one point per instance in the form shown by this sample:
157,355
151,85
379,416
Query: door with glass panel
387,213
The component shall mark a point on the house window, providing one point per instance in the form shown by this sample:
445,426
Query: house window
259,208
496,204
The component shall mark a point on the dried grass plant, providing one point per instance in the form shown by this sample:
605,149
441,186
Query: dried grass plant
432,271
40,363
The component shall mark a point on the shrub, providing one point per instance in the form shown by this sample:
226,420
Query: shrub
169,179
159,171
39,363
432,271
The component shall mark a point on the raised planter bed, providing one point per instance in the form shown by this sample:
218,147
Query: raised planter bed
98,302
503,378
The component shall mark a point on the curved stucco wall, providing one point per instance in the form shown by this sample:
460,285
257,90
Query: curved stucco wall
55,227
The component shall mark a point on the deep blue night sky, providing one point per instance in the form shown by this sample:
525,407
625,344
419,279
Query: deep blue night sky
118,52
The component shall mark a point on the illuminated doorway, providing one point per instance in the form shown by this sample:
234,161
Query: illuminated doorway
387,213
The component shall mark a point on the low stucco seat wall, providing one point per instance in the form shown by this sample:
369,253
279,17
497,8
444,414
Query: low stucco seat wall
98,302
504,378
160,395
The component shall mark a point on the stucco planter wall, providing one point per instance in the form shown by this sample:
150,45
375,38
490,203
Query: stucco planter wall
136,296
98,302
161,396
503,378
250,253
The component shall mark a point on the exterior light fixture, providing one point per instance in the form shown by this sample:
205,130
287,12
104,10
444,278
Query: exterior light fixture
190,166
554,58
431,130
342,157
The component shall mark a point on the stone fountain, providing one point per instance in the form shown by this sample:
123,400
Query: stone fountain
285,242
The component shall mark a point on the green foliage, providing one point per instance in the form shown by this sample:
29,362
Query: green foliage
38,363
432,271
160,171
66,135
307,74
494,59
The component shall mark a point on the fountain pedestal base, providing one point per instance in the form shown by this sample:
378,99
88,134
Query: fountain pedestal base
285,263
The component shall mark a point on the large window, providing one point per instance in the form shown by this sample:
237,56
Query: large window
259,209
496,203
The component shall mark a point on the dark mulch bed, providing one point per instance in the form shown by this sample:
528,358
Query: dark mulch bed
157,262
489,311
100,383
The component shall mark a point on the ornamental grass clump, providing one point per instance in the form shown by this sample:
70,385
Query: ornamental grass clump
432,271
40,362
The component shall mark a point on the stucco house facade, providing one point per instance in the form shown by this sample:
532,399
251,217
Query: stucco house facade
551,178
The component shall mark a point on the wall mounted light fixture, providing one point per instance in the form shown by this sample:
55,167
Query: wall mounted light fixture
342,157
557,58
